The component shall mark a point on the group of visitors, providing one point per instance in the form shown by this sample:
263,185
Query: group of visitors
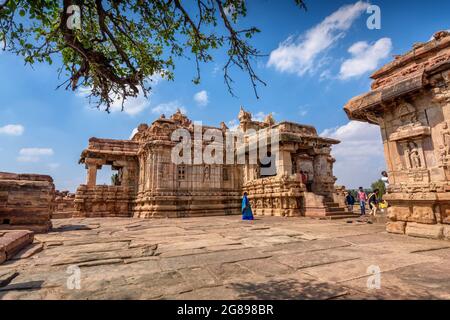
373,199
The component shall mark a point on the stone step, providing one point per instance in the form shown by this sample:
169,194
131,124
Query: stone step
336,210
339,217
331,204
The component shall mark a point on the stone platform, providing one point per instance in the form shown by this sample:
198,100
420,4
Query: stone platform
226,258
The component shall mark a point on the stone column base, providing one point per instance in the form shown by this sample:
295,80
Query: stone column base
426,217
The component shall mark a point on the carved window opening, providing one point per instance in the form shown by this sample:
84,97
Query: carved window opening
6,221
108,175
181,172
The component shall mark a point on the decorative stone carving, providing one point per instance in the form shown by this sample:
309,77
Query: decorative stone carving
412,96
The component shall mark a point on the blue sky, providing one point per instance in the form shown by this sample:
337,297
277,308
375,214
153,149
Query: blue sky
316,61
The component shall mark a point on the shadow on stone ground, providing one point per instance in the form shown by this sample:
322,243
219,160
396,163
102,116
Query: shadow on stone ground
66,228
288,289
29,285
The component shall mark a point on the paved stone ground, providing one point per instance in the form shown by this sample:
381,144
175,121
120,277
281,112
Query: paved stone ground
225,258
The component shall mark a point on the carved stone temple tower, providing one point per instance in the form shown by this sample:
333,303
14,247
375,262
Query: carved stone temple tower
410,101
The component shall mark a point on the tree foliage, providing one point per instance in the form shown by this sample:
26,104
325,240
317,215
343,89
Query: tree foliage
380,186
121,44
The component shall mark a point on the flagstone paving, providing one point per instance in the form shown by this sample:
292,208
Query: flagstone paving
225,258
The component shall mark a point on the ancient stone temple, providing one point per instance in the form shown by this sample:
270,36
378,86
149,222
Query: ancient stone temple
410,101
295,178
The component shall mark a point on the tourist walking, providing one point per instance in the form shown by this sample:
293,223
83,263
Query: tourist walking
362,198
247,213
373,202
350,201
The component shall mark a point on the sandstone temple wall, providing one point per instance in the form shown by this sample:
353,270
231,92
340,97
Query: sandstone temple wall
26,201
92,200
410,101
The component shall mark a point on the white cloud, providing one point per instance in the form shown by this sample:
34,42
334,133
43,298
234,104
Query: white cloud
131,106
300,55
135,130
365,57
12,130
260,116
233,125
359,156
33,154
201,98
303,110
168,108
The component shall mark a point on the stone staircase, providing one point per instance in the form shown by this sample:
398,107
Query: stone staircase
334,211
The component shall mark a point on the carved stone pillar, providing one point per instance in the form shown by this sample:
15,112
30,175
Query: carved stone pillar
92,165
284,165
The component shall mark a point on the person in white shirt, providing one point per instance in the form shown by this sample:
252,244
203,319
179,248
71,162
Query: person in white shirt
385,179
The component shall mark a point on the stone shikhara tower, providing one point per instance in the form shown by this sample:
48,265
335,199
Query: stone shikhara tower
150,184
410,101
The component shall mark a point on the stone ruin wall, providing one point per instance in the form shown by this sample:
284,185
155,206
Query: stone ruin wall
92,200
410,101
26,201
64,205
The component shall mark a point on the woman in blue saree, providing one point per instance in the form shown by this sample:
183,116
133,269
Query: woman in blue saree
247,213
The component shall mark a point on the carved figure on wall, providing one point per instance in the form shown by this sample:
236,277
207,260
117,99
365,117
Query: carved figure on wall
256,172
413,156
446,138
276,203
259,203
443,155
407,114
292,203
206,173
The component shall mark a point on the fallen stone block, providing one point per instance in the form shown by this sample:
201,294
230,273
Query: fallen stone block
397,227
12,242
424,230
